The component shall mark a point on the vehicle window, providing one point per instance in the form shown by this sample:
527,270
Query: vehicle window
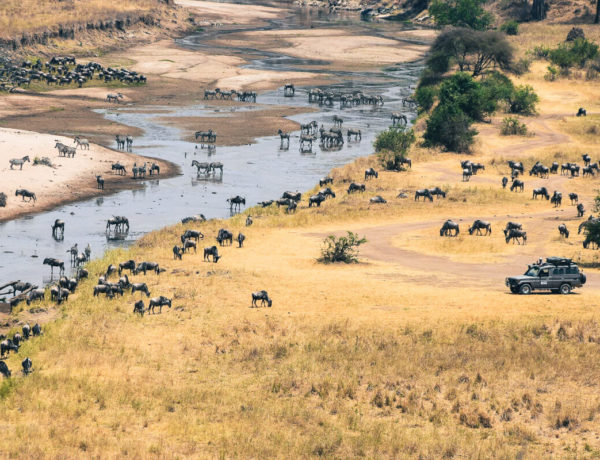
559,271
533,271
572,271
545,272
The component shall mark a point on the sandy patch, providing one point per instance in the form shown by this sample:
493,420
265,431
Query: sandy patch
229,13
70,179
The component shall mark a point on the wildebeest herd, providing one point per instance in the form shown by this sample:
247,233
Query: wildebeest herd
61,71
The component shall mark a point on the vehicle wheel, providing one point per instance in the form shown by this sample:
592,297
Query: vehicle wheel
525,289
514,290
565,289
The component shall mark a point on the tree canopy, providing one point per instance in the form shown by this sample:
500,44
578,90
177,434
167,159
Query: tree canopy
460,13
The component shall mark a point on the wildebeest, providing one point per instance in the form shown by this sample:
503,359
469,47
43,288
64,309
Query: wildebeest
119,168
26,331
540,191
504,181
263,296
103,289
479,225
17,339
211,251
188,244
177,252
59,225
573,197
20,287
437,192
54,263
370,173
353,187
354,133
325,181
581,112
517,185
423,193
515,235
141,287
516,166
224,236
192,235
139,307
466,174
240,239
147,266
7,346
36,330
128,265
316,200
35,294
588,171
159,302
124,282
449,227
291,207
26,365
26,194
292,196
197,218
4,370
249,221
378,199
554,167
236,202
266,204
586,159
327,192
556,199
563,230
580,210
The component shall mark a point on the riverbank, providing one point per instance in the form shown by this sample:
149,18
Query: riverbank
68,179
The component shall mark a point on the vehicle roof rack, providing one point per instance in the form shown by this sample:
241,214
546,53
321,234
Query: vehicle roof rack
558,261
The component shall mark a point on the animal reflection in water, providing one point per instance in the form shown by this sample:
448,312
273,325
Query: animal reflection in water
117,228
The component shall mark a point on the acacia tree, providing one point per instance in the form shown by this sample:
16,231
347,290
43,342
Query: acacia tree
470,50
460,13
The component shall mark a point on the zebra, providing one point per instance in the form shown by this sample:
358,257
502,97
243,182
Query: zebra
284,137
356,133
120,141
214,166
337,121
19,162
129,141
201,167
62,148
84,143
399,119
100,182
114,97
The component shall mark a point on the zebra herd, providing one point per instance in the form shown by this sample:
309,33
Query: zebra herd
230,95
356,98
332,139
123,141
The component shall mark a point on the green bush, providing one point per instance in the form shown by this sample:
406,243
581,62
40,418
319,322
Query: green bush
449,127
541,51
425,97
575,53
342,249
510,28
511,126
523,100
392,145
460,13
552,73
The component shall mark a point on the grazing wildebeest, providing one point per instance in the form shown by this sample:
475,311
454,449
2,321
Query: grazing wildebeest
316,200
325,181
556,199
59,225
504,181
283,137
18,162
562,229
188,244
249,221
479,225
99,182
70,284
466,174
154,168
139,307
588,171
512,226
586,159
36,330
110,270
147,266
554,168
581,112
516,166
284,202
26,364
540,191
124,282
517,185
26,194
448,227
7,346
580,210
26,331
327,192
211,251
103,289
573,197
423,193
236,202
574,169
54,263
266,204
514,235
263,296
177,252
240,239
378,199
292,196
197,218
35,294
369,173
81,142
82,273
114,97
291,207
159,302
128,265
192,235
224,236
141,287
356,188
4,370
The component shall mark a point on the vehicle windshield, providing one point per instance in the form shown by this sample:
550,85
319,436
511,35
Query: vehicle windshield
532,271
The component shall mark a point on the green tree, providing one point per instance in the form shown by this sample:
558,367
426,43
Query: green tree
425,97
342,249
392,145
460,13
523,100
448,126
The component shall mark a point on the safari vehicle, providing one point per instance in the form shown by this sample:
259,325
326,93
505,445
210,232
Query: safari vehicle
556,275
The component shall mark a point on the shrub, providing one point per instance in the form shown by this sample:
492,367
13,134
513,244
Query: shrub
450,127
2,200
511,126
541,51
521,66
342,249
523,100
510,28
460,13
552,73
575,33
392,145
425,97
577,52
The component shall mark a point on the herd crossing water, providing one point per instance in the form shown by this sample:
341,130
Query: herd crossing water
260,171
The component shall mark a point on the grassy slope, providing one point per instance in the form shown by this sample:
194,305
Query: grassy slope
350,361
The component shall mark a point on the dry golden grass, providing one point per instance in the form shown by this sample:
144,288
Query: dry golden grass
22,16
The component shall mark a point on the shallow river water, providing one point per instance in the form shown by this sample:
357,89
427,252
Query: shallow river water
259,171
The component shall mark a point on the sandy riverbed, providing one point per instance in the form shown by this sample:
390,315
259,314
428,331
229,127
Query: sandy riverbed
71,179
